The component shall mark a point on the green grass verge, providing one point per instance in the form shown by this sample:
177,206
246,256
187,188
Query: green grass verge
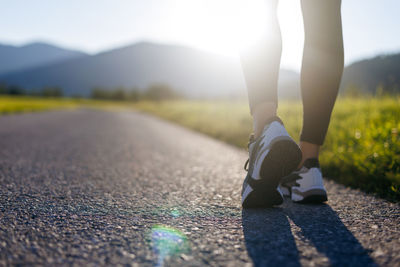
362,148
19,104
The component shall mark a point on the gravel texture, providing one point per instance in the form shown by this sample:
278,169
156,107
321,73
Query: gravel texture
122,188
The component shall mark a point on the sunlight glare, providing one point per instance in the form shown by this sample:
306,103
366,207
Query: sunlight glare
226,27
247,23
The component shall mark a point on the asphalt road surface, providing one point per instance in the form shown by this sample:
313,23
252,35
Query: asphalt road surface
123,188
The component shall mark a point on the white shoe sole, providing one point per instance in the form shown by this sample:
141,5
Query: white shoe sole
315,194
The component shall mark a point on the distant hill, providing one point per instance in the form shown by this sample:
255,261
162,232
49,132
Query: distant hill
14,58
367,75
190,71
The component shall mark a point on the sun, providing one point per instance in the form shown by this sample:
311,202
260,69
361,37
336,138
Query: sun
228,26
243,23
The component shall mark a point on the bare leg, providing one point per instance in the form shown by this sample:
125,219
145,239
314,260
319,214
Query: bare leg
321,71
260,64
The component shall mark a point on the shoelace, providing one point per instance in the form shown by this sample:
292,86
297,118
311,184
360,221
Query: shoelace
246,165
251,140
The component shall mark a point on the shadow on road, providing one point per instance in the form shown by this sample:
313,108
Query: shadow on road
269,239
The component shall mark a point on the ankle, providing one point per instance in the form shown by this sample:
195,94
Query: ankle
308,151
262,113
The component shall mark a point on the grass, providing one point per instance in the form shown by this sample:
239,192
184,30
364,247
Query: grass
362,148
19,104
12,104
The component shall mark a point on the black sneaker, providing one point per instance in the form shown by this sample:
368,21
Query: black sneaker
272,156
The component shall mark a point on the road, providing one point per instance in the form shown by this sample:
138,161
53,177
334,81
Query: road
124,188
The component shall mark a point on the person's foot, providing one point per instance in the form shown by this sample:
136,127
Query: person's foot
305,185
272,156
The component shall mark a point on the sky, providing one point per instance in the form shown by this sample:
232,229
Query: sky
370,27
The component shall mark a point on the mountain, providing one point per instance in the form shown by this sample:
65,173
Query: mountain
192,72
366,76
13,58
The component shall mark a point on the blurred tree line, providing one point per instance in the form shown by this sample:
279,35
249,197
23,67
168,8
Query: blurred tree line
49,91
155,92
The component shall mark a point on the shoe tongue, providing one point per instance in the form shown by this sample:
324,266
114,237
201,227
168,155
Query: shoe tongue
311,163
271,120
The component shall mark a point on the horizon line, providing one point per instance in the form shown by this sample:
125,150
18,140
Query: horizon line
371,55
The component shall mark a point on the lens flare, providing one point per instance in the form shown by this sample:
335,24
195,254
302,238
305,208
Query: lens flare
168,242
